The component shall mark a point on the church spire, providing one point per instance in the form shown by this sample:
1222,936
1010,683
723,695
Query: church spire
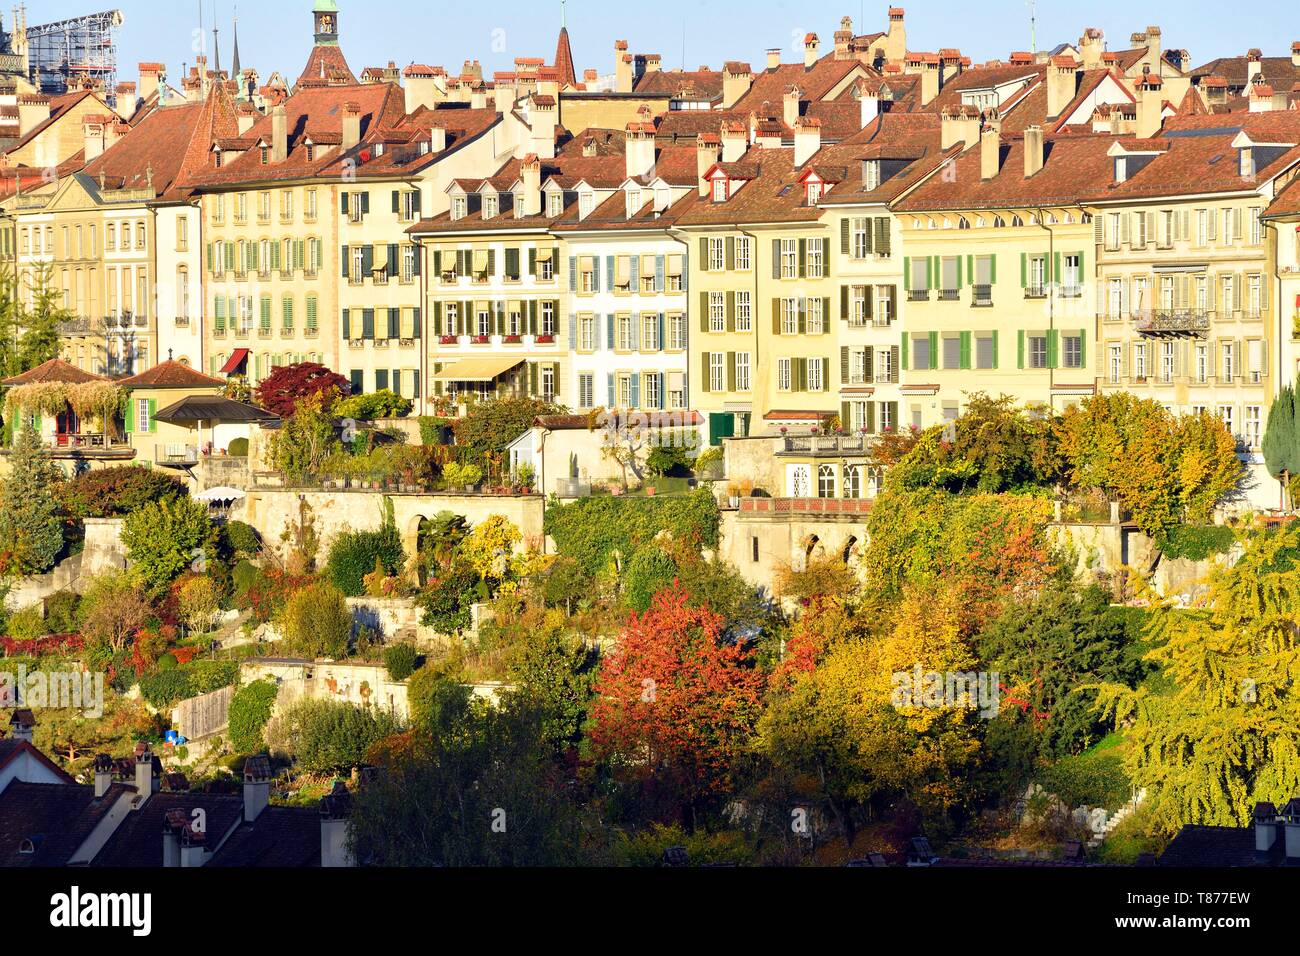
234,65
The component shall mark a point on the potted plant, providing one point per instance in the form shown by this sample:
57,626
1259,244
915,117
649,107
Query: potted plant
514,339
546,340
448,340
481,340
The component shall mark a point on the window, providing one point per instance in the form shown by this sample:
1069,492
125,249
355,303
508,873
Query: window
813,194
1168,361
677,333
1254,424
624,340
587,333
554,204
1225,414
951,351
717,372
744,312
1037,351
310,212
826,481
816,258
783,374
884,363
860,233
886,422
1072,351
458,206
789,258
1037,277
1254,296
1070,281
789,316
548,318
743,253
587,275
545,269
719,190
651,387
1229,295
858,315
921,357
142,421
816,374
1202,362
884,313
1115,363
286,204
717,312
742,371
1255,358
984,351
816,319
1140,361
408,263
717,255
1229,361
586,390
586,202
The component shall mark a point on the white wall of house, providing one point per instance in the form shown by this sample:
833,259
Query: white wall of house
179,284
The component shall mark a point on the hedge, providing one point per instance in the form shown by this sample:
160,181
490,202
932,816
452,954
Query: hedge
250,709
591,530
1196,542
353,553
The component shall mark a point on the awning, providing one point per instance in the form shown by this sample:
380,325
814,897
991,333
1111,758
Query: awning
220,495
477,370
238,358
212,408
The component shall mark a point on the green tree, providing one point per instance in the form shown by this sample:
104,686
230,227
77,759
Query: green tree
31,532
1282,439
491,426
39,322
166,538
250,709
1222,730
316,622
324,735
305,439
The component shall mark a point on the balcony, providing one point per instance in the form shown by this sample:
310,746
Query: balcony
851,507
1035,291
949,295
176,456
824,445
981,295
1172,323
918,295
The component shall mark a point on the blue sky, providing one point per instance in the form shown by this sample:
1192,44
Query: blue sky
276,34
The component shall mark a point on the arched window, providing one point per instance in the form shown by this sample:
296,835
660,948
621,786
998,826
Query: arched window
849,546
1017,221
853,481
999,222
826,481
963,223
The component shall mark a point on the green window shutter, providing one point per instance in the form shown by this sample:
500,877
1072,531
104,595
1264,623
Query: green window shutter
844,237
704,255
731,313
130,415
844,301
776,316
929,273
995,349
1020,349
731,371
1083,347
826,315
704,312
704,372
1024,270
845,416
1056,267
965,350
1053,343
970,271
803,258
903,353
730,249
993,269
907,272
934,350
153,411
1078,278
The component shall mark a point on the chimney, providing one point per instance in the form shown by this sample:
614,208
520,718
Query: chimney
149,79
708,147
1254,64
1091,46
437,139
193,849
503,94
734,141
990,152
811,46
92,130
926,64
421,87
33,110
334,813
622,68
790,106
868,103
807,139
1062,74
654,63
1150,104
773,58
351,126
737,78
124,104
145,779
1153,47
542,122
1033,150
959,124
896,38
478,98
639,148
531,174
1266,828
843,39
1295,54
21,724
103,774
257,786
1260,98
174,822
279,135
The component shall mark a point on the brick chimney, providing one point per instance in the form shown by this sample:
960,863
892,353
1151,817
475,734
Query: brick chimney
257,786
843,39
1062,76
351,126
103,774
1033,150
790,105
531,174
1150,104
807,139
708,147
737,78
811,51
334,813
990,152
622,67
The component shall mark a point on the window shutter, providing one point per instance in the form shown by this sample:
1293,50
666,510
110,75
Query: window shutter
1099,230
704,312
532,261
844,301
902,353
573,273
1056,268
347,326
803,258
343,203
1024,270
704,255
965,350
660,270
730,257
153,415
613,397
1053,348
995,349
731,311
609,332
663,344
776,316
609,274
1020,349
934,350
844,365
397,202
130,417
704,373
344,258
731,371
869,294
776,258
844,236
365,203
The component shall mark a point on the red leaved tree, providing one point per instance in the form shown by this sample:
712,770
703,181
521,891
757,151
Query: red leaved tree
675,705
290,384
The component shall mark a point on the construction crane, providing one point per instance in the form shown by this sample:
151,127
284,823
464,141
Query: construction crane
59,54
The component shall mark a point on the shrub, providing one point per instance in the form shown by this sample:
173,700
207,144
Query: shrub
316,622
207,676
354,553
245,576
649,571
167,662
402,660
491,426
667,460
381,404
250,709
112,609
447,598
61,612
26,625
116,492
286,387
1196,542
199,604
165,538
163,689
647,847
243,538
327,735
238,448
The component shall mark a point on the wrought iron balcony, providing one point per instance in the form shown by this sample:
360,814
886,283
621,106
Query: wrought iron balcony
982,294
1172,322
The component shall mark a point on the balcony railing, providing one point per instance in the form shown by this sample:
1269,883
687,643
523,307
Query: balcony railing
176,454
918,295
982,294
825,444
949,295
1172,322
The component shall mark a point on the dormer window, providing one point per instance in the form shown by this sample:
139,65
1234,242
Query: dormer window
490,207
518,203
458,208
266,155
586,203
554,204
422,148
870,175
720,190
814,193
311,153
216,158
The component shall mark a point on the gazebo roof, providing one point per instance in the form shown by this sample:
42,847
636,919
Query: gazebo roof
212,408
55,370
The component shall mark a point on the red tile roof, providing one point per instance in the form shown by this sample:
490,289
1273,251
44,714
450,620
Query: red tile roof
55,370
171,374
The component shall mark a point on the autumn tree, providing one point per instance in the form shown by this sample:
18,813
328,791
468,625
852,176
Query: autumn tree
305,439
113,608
1225,731
675,705
286,387
489,427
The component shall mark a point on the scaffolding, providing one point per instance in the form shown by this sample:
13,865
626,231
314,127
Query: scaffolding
61,54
